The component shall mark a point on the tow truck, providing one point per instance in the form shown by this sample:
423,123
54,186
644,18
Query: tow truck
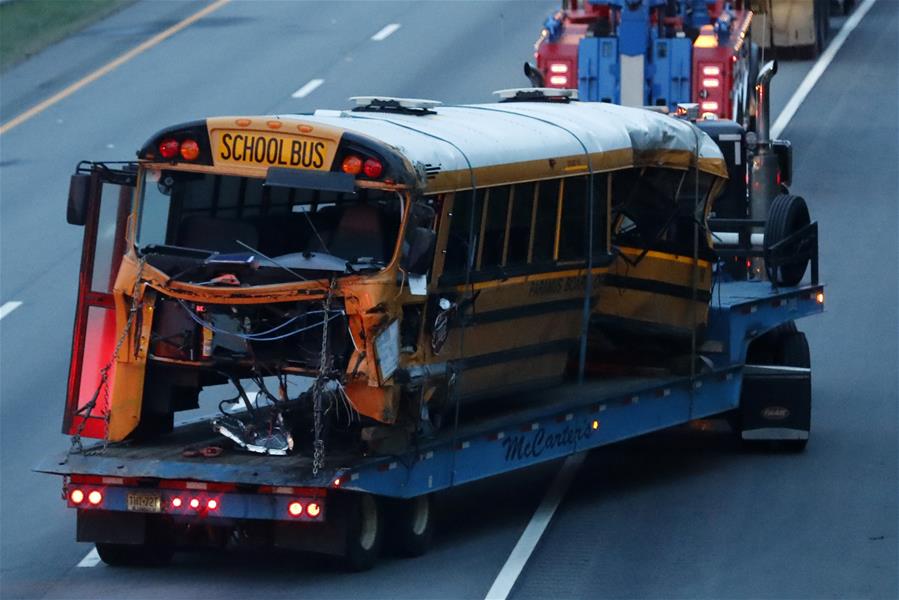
141,500
651,53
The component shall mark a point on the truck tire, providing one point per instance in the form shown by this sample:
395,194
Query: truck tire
129,555
365,531
411,525
787,215
793,351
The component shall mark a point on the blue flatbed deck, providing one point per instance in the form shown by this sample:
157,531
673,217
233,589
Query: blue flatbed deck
538,426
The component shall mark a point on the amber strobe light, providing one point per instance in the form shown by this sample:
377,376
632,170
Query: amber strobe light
190,150
352,165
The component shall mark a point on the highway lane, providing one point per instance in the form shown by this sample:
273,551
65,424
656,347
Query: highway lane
264,52
687,515
453,52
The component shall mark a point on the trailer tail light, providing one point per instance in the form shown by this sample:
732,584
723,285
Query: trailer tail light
212,504
95,497
177,502
194,503
295,509
76,496
313,510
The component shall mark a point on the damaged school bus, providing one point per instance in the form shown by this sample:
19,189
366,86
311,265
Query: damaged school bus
403,255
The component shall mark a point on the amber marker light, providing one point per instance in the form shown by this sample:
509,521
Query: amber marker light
352,165
595,425
190,150
819,297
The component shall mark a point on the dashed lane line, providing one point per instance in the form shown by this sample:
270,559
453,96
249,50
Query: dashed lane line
9,307
508,575
307,89
385,32
802,92
91,560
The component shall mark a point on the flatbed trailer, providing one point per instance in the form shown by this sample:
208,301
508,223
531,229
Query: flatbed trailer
170,492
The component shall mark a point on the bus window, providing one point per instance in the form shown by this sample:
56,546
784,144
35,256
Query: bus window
496,211
520,224
545,221
459,252
574,218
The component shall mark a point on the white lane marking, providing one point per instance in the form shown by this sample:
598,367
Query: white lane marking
818,69
508,575
91,560
307,89
385,33
9,307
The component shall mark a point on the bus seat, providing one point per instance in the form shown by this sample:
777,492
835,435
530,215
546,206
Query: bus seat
219,235
359,234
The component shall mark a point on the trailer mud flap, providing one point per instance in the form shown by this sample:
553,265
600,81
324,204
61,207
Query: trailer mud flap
776,403
111,527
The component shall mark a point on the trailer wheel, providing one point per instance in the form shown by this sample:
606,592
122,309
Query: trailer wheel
787,215
129,555
793,351
364,532
412,525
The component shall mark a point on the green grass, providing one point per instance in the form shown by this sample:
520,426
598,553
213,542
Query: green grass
29,26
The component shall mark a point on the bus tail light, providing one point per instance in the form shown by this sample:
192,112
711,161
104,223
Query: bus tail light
352,165
373,168
168,148
190,149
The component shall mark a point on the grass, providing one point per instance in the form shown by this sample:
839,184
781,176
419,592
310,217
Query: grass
29,26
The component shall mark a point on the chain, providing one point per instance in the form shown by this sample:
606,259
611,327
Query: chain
318,445
77,447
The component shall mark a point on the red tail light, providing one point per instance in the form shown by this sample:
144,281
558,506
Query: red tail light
95,497
190,150
373,168
352,165
313,510
212,504
295,509
194,503
177,502
76,496
168,148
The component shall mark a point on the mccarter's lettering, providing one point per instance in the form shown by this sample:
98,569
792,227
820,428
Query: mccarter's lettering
273,151
519,447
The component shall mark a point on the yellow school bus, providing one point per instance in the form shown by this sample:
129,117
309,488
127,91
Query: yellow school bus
406,256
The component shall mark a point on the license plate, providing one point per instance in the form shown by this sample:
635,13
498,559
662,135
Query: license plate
144,502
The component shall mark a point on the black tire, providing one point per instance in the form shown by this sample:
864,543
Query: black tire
411,525
786,215
793,351
822,25
128,555
365,530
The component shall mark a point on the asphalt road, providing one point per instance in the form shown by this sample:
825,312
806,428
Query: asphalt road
673,515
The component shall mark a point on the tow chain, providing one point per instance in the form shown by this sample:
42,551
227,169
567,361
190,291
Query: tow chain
77,447
318,444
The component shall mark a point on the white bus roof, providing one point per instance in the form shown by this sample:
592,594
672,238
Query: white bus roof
520,141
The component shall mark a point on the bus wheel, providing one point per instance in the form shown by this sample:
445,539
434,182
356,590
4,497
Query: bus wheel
412,525
364,532
143,555
787,215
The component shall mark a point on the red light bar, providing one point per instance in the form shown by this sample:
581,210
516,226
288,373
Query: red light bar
168,148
